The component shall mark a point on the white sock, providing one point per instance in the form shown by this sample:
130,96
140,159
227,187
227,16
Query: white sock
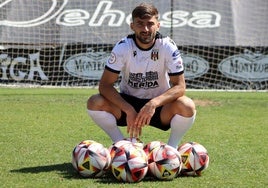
107,122
179,126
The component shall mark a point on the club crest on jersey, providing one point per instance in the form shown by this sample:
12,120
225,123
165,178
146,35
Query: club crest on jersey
154,54
112,58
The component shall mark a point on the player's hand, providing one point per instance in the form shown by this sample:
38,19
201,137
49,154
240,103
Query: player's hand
132,129
145,114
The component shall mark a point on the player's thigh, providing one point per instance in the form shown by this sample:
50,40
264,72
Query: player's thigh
98,102
186,106
183,106
166,114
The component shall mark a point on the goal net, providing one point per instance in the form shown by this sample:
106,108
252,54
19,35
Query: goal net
224,43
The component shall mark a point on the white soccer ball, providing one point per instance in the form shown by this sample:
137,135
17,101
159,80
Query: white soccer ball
135,141
118,146
126,142
91,159
129,164
151,145
164,162
195,158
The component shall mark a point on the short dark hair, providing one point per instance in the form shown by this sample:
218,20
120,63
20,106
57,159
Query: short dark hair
145,10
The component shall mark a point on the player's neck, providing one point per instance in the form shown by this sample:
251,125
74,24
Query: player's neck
143,46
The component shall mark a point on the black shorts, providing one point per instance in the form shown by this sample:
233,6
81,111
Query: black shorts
138,104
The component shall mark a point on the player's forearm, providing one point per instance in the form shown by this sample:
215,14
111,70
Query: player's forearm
169,96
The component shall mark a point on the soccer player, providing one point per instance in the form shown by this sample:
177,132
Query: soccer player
152,86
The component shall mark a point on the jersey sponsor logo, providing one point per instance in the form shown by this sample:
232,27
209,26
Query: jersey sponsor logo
176,54
143,85
147,81
179,66
154,54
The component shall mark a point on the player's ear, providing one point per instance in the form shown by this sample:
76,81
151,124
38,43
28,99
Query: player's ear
131,26
158,26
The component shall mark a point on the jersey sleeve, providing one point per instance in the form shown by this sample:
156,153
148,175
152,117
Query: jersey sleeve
174,59
115,62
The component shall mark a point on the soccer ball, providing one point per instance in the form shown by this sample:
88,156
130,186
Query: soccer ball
135,141
151,145
164,162
118,146
129,164
91,159
77,148
195,158
127,142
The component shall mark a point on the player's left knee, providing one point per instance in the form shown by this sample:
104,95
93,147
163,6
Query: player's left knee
187,107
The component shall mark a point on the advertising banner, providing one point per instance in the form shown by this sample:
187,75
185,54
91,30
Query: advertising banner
188,22
224,44
241,68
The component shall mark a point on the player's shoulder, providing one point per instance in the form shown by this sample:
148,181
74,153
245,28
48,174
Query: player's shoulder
165,40
125,40
168,46
123,44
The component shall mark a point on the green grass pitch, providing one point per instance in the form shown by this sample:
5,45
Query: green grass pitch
41,126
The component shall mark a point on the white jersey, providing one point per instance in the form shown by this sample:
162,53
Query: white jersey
145,73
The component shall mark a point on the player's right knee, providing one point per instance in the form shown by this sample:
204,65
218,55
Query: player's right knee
95,102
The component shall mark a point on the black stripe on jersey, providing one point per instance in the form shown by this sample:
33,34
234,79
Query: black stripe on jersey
176,73
111,70
131,36
159,36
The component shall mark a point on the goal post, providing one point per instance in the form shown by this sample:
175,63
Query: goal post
224,44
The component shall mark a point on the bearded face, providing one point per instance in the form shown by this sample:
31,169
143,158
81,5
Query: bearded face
145,30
